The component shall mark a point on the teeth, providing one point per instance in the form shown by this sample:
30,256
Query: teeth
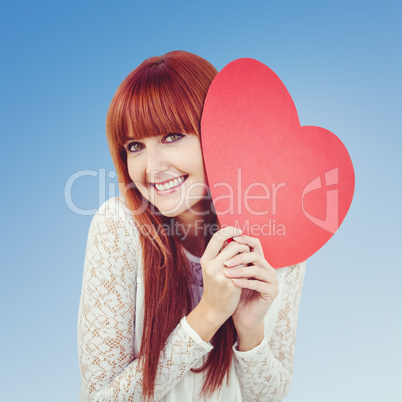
170,184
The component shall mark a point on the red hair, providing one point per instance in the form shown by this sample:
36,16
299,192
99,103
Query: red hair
164,95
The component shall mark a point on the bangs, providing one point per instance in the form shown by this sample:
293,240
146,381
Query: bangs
158,102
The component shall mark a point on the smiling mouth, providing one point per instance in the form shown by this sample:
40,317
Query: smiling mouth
170,184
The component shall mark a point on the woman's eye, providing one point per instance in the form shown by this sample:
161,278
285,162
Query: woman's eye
173,137
134,147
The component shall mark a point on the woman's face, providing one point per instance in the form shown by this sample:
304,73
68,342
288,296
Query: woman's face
168,171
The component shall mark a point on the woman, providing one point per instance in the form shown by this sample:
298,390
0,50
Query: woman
171,310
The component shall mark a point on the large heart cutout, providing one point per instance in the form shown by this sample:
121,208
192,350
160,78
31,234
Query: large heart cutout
288,185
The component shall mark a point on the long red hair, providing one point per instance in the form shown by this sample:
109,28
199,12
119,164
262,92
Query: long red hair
163,95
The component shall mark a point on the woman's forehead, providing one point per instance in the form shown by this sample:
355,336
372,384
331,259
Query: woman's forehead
152,128
135,133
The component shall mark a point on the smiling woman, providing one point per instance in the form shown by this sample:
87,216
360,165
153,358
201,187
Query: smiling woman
170,310
168,171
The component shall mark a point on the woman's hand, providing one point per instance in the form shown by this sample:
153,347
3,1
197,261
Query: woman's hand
221,296
252,273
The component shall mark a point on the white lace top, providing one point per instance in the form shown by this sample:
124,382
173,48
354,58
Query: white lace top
111,318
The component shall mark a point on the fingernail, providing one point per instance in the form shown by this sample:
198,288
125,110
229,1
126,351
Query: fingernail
238,231
230,272
230,262
236,238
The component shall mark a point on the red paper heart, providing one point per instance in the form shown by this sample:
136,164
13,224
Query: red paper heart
254,146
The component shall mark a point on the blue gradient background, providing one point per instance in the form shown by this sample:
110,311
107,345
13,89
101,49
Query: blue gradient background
60,65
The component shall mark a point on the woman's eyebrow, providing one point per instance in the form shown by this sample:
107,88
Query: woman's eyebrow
132,139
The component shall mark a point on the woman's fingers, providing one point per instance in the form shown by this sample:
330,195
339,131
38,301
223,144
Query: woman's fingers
231,250
217,241
253,242
254,278
253,271
252,257
266,290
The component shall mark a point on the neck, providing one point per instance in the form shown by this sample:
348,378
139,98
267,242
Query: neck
196,230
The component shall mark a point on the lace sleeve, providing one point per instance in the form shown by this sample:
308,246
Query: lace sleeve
106,321
265,372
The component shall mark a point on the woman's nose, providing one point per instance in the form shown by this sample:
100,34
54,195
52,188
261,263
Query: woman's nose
156,161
